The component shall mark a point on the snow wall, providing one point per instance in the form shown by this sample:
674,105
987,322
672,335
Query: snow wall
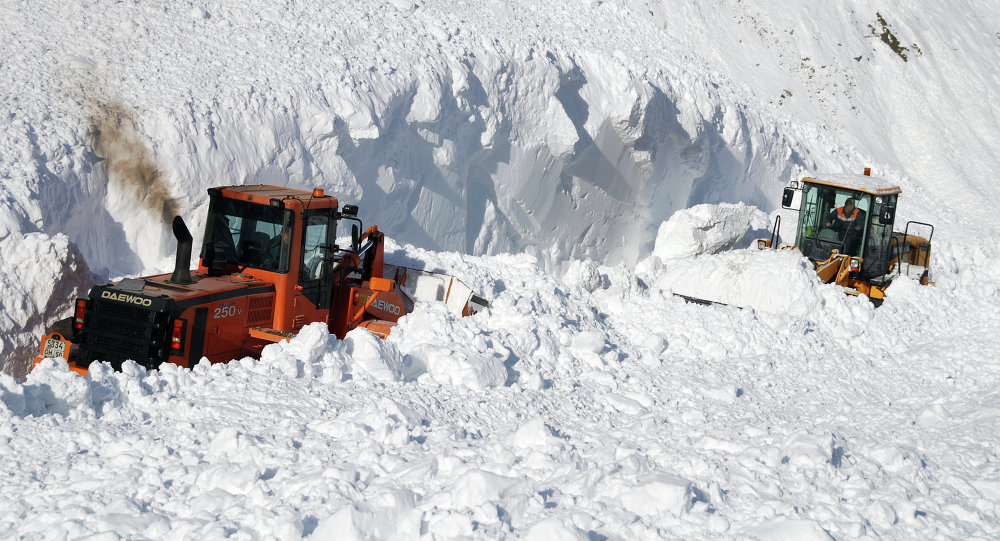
569,132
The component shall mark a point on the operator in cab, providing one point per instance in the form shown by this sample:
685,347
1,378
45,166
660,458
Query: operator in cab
277,250
848,221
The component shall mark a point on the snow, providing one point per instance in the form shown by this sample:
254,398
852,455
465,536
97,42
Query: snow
744,278
707,229
859,182
574,164
782,425
40,276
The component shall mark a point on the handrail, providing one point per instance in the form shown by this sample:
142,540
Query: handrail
774,232
907,230
896,253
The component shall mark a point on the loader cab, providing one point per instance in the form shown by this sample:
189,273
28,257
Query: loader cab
279,236
826,224
270,229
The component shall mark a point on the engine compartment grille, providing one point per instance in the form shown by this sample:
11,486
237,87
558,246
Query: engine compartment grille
116,331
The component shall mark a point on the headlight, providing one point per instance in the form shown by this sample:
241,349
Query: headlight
855,263
761,244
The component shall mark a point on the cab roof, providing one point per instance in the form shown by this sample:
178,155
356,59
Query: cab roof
861,183
263,193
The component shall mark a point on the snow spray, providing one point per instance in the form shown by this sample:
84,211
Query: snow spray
130,165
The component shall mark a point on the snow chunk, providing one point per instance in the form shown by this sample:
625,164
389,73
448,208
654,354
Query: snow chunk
808,450
661,493
313,352
533,434
476,487
444,346
706,229
787,529
390,515
554,529
933,416
372,356
12,396
583,274
723,393
340,525
881,515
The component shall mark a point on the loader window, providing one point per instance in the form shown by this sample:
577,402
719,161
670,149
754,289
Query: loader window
850,232
317,255
252,235
315,246
816,204
820,230
878,253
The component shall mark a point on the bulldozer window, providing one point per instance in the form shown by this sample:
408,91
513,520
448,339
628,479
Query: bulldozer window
253,235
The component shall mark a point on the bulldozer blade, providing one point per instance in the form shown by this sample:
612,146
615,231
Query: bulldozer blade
704,302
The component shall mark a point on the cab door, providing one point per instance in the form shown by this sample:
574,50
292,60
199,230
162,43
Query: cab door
313,293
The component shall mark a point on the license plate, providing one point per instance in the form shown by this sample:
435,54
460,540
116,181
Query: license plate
54,349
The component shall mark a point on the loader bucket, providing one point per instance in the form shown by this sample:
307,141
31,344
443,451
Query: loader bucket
418,286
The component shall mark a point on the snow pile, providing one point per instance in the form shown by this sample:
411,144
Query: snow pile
772,280
422,336
624,411
707,229
686,260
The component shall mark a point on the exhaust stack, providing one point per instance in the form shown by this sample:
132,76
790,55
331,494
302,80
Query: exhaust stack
182,274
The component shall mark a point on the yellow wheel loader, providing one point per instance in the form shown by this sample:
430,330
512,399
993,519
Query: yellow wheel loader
846,229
